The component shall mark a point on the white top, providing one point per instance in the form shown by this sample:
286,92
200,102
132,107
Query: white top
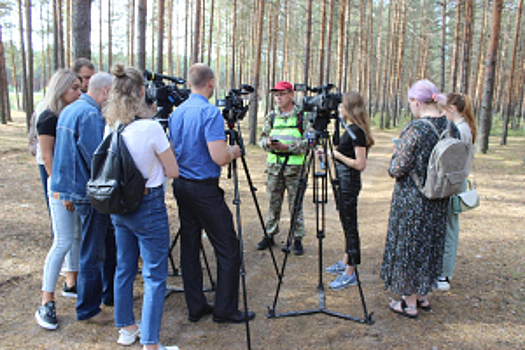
466,136
39,109
146,139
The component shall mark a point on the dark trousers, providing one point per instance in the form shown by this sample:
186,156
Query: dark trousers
349,192
202,206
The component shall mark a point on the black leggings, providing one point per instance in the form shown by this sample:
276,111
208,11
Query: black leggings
349,193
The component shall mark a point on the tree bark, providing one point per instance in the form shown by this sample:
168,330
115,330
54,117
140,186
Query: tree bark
195,54
110,34
508,107
443,42
101,39
81,24
234,46
25,85
15,75
488,88
307,48
467,44
141,34
170,38
30,74
322,44
159,67
340,43
329,40
210,35
254,98
455,55
5,108
481,57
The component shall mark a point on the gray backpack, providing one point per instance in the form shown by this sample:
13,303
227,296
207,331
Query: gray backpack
447,166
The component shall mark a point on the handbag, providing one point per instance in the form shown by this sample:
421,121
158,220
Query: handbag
465,201
116,186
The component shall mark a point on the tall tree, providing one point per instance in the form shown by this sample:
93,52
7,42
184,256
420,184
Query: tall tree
30,73
322,44
170,38
195,54
210,35
467,43
340,43
490,72
25,85
508,107
234,45
101,38
308,45
455,52
256,73
110,34
141,34
443,42
329,40
160,37
5,108
81,29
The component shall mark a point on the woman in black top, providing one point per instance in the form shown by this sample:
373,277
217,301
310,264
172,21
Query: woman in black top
350,157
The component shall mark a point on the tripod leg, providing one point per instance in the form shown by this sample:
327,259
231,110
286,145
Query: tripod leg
368,318
175,270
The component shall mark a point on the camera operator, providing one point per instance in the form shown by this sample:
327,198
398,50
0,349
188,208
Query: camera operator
284,138
196,129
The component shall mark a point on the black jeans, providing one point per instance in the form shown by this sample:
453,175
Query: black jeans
350,186
202,206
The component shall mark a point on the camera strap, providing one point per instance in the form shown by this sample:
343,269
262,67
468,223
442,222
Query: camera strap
284,163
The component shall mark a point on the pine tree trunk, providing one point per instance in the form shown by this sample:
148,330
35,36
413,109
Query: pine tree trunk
81,25
169,57
490,71
340,43
110,34
25,84
197,33
5,108
508,108
141,34
307,48
69,14
159,67
61,35
481,57
455,55
254,98
328,64
443,42
101,38
467,43
15,76
379,57
30,74
210,33
132,36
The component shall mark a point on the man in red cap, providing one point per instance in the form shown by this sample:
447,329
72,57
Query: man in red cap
283,137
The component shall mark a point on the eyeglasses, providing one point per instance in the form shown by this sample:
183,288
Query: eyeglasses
281,94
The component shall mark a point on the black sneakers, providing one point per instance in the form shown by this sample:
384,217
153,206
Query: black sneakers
265,243
46,316
69,292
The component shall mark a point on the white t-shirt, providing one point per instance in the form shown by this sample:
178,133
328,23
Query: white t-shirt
145,138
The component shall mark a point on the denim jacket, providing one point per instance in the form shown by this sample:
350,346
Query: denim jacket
79,132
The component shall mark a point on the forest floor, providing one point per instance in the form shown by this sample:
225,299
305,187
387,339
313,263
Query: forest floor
484,309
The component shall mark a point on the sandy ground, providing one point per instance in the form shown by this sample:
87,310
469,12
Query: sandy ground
484,309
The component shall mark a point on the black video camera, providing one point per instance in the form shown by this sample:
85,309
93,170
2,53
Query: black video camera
233,104
321,107
166,96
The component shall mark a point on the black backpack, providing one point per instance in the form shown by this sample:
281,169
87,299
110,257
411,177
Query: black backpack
116,185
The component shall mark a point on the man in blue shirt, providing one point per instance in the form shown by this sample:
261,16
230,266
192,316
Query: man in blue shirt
197,132
79,132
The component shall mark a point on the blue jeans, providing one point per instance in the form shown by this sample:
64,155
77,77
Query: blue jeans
92,255
65,241
144,232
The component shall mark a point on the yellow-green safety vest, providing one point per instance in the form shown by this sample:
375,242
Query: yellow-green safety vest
286,131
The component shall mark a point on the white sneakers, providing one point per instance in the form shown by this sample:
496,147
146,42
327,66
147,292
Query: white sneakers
443,283
127,337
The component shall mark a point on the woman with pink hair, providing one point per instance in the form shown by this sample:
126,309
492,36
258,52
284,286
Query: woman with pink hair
416,229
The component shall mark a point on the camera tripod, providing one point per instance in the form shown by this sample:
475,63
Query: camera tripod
320,198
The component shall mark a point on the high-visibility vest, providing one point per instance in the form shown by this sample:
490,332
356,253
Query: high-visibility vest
287,132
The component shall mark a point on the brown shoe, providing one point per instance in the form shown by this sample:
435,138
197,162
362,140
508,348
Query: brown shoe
101,318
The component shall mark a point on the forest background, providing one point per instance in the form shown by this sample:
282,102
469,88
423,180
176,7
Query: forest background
378,48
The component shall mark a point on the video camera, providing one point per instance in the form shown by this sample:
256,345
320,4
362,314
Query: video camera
166,96
233,104
321,107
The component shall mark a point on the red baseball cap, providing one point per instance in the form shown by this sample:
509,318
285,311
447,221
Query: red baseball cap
281,86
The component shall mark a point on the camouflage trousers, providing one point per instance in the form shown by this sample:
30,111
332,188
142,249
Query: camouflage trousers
275,187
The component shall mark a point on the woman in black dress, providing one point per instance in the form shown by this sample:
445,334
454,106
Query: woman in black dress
416,229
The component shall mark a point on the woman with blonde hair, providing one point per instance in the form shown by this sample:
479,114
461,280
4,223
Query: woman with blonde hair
458,109
350,156
144,232
63,89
